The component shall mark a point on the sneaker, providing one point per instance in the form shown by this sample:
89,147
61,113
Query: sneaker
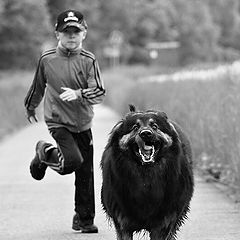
78,225
37,166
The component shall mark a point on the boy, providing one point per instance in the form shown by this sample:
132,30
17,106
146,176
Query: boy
69,78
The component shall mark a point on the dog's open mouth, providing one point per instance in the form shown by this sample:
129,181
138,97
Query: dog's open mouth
146,153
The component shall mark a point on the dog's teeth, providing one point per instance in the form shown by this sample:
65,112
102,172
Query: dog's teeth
148,155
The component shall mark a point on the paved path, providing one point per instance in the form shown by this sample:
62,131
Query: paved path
32,210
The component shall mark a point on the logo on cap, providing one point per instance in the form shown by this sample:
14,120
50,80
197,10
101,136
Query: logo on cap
71,17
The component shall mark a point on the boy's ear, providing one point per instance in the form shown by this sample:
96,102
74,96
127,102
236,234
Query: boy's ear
84,34
57,35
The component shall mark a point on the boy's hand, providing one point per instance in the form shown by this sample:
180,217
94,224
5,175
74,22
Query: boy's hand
31,116
68,94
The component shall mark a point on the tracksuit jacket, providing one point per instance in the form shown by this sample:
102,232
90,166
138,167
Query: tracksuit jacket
77,70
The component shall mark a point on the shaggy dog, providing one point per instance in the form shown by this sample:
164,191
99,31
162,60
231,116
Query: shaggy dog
147,175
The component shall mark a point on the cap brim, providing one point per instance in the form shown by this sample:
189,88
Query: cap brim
72,24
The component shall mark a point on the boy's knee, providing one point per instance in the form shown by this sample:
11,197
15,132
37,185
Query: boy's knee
72,164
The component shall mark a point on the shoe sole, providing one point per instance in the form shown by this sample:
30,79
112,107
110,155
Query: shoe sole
83,230
33,172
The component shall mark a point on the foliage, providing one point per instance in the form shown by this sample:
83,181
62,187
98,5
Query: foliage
208,30
226,15
199,42
153,21
24,25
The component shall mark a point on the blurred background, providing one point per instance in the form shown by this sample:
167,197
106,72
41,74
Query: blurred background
126,31
178,56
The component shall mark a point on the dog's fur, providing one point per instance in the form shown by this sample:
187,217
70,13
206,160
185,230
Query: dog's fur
147,175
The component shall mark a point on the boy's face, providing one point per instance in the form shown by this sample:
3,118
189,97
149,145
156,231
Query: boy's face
71,37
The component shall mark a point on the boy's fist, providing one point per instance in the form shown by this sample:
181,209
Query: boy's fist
68,94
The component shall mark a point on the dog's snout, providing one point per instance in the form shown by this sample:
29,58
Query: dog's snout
146,134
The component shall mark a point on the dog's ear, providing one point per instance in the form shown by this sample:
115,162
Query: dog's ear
172,127
175,129
163,114
117,126
114,134
132,108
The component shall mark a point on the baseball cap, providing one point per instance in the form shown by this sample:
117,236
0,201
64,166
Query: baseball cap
70,18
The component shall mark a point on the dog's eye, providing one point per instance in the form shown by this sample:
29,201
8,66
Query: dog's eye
135,127
155,126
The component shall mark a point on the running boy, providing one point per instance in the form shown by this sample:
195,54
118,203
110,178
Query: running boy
69,78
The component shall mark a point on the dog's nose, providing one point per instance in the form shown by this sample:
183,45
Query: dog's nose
146,134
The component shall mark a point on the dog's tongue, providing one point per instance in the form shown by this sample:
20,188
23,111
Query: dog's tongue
147,148
147,152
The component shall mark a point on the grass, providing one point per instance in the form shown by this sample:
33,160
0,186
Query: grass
13,88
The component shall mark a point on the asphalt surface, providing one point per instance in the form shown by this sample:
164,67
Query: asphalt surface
43,210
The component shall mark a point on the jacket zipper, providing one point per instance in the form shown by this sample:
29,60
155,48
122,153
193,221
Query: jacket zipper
75,115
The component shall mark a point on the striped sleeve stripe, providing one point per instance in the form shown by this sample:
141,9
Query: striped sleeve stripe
97,75
93,91
31,90
96,93
33,87
29,96
87,54
50,51
96,67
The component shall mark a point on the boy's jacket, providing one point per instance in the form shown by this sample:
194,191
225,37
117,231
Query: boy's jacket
77,70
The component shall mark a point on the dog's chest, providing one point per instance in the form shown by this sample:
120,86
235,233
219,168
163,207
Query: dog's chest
145,189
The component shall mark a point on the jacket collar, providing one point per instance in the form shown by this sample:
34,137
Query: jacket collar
66,52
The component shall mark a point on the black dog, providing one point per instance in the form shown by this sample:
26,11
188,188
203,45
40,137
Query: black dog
147,176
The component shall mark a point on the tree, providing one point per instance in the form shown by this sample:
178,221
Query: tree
55,7
153,21
24,27
198,34
205,29
226,15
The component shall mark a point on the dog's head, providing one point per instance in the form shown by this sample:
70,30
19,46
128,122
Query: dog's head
145,134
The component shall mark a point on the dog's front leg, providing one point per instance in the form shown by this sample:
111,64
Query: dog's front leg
157,234
122,235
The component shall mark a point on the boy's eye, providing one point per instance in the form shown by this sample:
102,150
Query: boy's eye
72,31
